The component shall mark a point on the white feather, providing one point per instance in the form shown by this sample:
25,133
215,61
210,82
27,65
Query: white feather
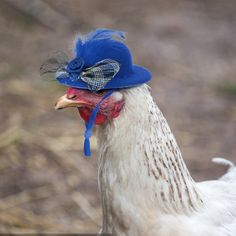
145,186
222,161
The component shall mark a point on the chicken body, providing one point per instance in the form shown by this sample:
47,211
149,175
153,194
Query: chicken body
145,186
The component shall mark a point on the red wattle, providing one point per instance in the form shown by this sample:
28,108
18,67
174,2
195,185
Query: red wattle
85,115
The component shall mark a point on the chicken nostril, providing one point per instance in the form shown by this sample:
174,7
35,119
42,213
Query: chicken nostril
73,96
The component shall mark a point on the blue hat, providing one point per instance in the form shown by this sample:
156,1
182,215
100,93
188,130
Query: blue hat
101,46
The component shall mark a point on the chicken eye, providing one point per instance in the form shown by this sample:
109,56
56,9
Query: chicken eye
100,92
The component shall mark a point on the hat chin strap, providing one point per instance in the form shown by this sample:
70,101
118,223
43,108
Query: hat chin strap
90,124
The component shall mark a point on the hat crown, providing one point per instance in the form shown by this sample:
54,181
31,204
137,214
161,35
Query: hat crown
102,62
100,45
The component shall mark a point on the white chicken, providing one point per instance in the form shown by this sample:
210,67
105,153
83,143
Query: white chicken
145,186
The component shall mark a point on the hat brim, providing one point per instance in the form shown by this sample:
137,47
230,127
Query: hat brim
139,75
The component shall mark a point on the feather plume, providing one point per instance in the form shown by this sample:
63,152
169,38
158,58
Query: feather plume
104,34
99,34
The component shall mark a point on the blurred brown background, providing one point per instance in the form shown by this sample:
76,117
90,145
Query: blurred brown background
46,185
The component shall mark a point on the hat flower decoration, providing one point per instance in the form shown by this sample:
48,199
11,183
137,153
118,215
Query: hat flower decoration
102,62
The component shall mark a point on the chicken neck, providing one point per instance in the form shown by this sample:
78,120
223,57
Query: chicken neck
140,160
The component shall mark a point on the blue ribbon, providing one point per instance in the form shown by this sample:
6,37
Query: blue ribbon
90,124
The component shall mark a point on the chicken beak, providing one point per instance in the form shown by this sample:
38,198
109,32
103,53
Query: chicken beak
64,102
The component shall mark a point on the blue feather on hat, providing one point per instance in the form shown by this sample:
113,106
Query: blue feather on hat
96,35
